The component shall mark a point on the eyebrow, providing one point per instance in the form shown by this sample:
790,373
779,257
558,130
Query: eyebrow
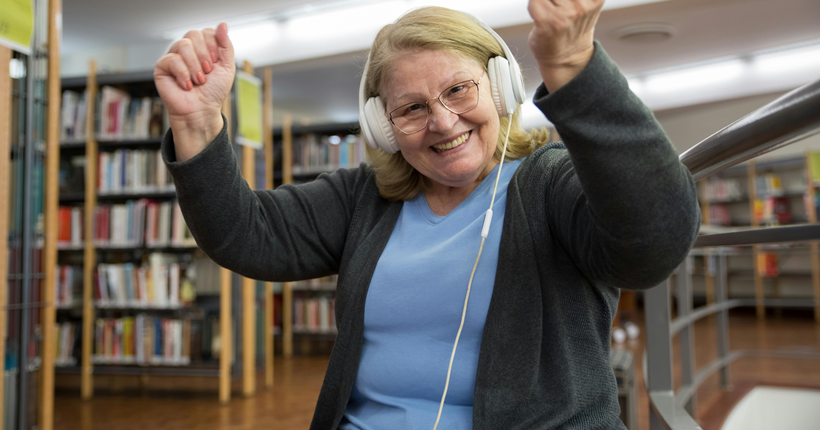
414,96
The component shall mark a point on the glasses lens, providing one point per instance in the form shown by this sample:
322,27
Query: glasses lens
461,97
410,118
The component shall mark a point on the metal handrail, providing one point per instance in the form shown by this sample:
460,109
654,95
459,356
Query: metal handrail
790,118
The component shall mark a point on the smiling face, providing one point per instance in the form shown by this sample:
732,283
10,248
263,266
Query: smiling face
455,150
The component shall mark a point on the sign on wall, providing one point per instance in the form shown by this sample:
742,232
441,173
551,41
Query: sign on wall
249,109
16,25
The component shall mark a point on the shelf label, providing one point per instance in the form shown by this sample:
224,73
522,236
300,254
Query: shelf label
16,25
249,109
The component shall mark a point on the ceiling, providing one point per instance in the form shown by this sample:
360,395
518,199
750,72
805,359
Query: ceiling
325,89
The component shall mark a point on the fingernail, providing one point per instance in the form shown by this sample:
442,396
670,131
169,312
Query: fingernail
213,56
206,66
201,77
189,86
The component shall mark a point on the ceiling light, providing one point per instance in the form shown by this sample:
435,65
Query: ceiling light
644,33
695,77
249,38
785,61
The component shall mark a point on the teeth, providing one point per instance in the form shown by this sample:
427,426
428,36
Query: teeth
452,144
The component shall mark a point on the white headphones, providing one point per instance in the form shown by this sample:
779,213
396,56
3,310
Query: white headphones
506,84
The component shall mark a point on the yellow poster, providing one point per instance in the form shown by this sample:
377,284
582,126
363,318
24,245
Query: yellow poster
814,166
16,25
249,110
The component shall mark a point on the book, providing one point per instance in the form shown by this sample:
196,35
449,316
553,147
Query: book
143,339
154,284
132,171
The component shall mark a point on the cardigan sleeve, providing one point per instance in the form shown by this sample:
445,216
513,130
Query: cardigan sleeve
621,203
291,233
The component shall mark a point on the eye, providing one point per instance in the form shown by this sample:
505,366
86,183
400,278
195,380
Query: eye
457,89
412,109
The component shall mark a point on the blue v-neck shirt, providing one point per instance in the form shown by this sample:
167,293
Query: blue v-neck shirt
413,310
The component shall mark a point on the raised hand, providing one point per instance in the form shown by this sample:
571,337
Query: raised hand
561,37
194,78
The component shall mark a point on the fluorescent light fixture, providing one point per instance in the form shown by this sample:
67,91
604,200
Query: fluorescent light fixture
249,38
787,61
341,23
694,77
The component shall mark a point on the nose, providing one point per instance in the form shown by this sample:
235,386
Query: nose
441,119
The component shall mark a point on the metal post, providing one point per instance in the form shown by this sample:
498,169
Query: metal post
686,337
26,248
722,317
658,346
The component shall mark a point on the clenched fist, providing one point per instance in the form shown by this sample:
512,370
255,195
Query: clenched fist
194,78
561,37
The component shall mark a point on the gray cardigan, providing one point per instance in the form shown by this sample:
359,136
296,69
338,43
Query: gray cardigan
612,207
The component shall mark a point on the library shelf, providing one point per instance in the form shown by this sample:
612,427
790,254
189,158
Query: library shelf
307,286
192,369
107,144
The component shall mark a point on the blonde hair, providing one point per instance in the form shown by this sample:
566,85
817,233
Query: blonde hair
435,28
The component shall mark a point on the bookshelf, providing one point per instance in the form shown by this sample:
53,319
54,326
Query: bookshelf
121,228
28,160
308,151
766,193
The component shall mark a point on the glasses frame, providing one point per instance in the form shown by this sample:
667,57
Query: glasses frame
438,97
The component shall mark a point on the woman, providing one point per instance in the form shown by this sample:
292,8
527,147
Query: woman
610,208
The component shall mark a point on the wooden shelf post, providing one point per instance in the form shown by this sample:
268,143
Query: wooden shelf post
267,134
759,293
248,284
52,170
89,260
5,147
815,246
709,279
226,341
287,291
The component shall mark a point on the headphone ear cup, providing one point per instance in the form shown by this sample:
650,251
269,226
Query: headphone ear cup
378,127
501,86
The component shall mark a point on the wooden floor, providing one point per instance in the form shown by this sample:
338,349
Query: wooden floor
297,381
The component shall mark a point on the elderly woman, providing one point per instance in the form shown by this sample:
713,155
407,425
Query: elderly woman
428,334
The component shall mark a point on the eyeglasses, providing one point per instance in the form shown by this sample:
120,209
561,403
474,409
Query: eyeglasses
459,98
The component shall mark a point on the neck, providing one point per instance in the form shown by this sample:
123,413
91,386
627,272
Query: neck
442,199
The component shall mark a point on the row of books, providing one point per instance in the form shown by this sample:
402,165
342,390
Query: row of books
773,211
18,190
67,335
769,185
69,287
767,211
722,190
312,152
317,314
161,283
132,171
118,116
70,223
133,224
767,266
143,339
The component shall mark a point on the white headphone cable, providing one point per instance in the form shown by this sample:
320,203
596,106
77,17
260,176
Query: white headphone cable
485,231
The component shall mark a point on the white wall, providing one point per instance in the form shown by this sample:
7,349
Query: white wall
119,59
